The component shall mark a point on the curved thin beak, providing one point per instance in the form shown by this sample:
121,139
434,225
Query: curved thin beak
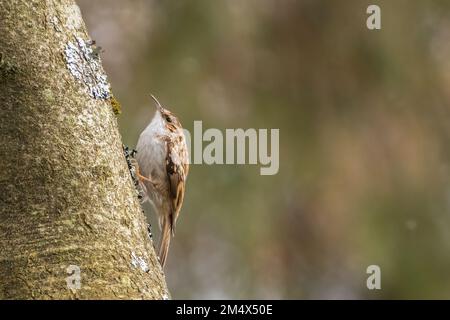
158,105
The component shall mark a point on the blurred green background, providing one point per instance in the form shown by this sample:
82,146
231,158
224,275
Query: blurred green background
364,125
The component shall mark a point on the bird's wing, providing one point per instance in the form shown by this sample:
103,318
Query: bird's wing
176,173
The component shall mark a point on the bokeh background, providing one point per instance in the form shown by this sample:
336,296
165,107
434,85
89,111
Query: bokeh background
364,119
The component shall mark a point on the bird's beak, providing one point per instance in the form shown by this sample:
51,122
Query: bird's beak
158,105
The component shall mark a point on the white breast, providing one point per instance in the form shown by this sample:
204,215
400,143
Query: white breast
151,157
151,148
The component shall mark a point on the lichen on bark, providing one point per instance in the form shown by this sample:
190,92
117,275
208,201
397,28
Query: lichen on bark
66,197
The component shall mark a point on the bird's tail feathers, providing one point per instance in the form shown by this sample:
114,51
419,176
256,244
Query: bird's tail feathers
166,234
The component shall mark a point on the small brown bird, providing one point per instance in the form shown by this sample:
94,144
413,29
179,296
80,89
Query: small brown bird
163,165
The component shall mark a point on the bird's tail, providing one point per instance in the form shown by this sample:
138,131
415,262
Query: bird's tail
164,244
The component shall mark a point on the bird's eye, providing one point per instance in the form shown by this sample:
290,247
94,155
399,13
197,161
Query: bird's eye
168,119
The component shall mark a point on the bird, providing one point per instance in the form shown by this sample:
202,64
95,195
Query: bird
162,169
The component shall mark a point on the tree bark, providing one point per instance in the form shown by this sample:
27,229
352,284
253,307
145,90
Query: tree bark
67,200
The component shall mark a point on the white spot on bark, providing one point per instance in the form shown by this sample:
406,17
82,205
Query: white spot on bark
86,119
139,262
56,23
84,65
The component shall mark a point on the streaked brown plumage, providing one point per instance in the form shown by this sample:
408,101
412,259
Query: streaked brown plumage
163,168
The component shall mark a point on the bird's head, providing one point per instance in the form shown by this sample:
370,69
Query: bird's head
168,117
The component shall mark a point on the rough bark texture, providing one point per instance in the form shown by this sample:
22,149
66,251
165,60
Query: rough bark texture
66,195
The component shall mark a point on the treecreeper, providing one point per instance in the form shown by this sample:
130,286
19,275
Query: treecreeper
162,168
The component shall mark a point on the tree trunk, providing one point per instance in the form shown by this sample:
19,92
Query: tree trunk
71,225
